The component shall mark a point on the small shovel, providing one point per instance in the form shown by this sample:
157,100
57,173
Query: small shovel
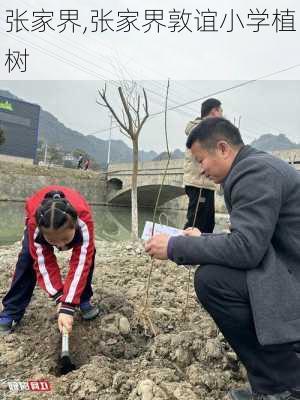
65,363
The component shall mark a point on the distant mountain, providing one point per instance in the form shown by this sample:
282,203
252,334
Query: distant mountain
271,142
175,155
56,133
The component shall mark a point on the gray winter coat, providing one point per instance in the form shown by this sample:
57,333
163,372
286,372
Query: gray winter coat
262,194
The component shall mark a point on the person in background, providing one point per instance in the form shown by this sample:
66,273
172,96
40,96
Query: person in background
194,180
80,162
87,164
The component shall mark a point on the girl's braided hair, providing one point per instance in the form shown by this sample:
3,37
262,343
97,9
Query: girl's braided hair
55,211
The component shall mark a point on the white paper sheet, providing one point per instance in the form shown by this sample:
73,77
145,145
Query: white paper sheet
158,228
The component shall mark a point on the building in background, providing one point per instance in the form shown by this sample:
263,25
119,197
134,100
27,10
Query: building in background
20,122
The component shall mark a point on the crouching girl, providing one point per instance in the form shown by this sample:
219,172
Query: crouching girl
60,217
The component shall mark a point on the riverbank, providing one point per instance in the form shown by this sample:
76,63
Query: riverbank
18,181
117,356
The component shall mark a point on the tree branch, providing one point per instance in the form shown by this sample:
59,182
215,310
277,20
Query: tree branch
125,105
107,104
146,112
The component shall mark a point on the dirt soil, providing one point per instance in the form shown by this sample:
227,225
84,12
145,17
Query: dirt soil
117,356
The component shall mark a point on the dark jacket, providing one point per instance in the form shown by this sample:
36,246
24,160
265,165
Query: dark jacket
262,195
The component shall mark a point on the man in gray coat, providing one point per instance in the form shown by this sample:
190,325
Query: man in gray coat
249,279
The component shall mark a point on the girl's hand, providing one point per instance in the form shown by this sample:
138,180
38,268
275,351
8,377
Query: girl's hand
65,321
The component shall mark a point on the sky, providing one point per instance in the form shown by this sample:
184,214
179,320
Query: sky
64,71
262,107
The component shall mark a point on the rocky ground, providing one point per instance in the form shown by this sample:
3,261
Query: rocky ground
117,356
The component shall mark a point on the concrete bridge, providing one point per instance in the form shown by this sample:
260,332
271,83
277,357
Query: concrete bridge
150,176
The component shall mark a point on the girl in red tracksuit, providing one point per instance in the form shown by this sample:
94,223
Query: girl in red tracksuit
60,217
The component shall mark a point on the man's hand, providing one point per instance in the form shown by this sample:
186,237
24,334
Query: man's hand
192,232
157,246
65,321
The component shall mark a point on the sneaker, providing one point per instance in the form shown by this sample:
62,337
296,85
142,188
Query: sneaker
88,311
246,394
277,396
6,325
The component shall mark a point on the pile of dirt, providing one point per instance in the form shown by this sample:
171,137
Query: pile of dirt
117,356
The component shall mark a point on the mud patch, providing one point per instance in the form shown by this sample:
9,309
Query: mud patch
116,355
110,335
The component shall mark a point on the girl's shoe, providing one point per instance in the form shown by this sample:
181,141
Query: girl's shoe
6,325
88,311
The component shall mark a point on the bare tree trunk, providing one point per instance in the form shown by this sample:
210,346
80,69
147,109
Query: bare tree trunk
130,126
134,200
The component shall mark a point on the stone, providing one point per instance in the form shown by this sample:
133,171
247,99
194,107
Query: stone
145,389
124,326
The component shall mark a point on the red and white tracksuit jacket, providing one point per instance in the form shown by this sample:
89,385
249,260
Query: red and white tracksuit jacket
45,263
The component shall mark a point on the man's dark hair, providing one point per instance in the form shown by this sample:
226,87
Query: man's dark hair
208,105
211,130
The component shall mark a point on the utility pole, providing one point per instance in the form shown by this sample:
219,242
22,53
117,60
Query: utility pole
109,143
45,155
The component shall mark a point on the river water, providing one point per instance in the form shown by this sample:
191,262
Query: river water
111,223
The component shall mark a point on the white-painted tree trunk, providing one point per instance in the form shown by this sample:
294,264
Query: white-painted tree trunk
134,199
